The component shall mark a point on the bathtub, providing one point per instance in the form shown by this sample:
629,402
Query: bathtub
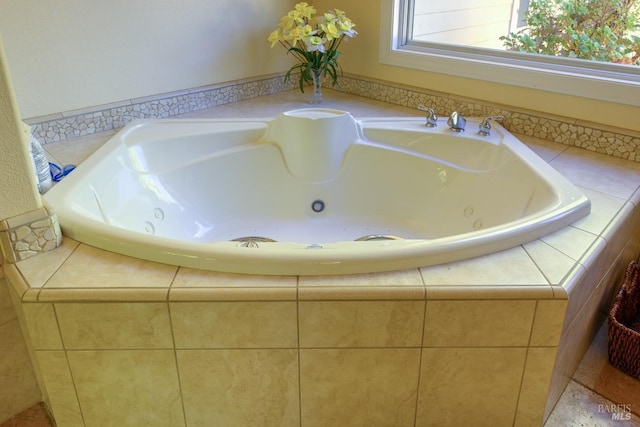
311,191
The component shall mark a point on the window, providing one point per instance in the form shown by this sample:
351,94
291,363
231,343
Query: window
465,22
411,39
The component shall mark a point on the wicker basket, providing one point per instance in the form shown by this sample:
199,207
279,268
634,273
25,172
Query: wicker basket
624,324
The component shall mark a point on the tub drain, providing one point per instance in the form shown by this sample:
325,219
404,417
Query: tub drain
251,241
371,237
317,206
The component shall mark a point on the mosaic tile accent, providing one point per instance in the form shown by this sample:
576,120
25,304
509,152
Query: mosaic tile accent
614,142
620,143
27,235
72,124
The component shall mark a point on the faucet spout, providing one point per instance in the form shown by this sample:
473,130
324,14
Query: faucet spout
432,117
456,122
485,127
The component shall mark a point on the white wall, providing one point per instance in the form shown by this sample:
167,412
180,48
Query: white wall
70,54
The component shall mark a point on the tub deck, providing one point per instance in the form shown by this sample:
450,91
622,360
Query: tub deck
437,345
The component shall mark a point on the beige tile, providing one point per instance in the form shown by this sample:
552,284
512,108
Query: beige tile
37,270
245,387
510,267
114,325
579,285
535,384
77,150
235,324
43,326
358,387
553,263
59,386
361,323
374,292
233,294
18,386
547,150
603,208
488,292
548,322
7,311
390,278
574,342
17,284
390,285
571,241
609,175
91,267
478,323
469,386
189,277
103,294
127,387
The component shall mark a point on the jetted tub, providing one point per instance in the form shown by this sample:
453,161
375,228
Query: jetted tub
312,191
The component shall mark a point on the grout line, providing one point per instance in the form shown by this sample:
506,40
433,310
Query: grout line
175,359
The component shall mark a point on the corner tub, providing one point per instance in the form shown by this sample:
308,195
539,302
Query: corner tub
312,191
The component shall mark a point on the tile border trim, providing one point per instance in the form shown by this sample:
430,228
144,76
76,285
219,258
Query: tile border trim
615,142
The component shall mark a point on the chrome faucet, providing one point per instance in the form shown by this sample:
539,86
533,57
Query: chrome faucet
456,122
485,126
432,117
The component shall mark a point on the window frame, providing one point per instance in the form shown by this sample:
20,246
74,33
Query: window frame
587,79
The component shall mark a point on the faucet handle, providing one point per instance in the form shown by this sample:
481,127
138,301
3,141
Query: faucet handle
432,117
485,126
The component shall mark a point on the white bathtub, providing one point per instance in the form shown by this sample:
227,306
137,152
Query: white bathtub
314,181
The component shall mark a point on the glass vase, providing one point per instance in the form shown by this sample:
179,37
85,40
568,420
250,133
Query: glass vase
316,75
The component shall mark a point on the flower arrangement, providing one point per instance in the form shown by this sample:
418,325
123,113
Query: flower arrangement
313,41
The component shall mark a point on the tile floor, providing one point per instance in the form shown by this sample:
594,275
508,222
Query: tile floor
588,401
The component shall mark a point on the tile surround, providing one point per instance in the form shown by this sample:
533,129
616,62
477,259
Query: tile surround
264,324
16,371
121,325
63,126
149,393
470,386
517,352
367,387
469,324
331,324
251,387
59,388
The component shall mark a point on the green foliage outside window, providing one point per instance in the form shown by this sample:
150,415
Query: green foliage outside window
599,30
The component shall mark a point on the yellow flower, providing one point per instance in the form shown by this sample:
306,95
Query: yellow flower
330,30
346,27
298,33
305,10
275,37
307,30
286,23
